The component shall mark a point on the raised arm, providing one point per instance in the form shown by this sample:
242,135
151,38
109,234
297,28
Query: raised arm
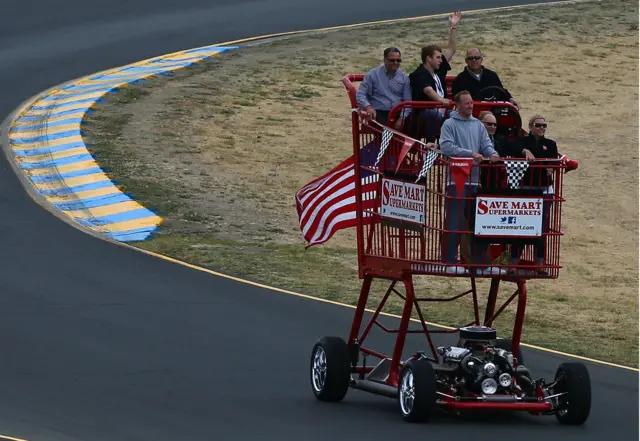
450,51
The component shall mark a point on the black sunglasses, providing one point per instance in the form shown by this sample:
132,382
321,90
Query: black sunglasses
543,125
394,60
473,58
491,124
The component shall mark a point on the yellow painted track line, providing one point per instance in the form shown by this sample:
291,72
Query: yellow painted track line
117,227
54,143
78,114
73,167
49,156
103,210
11,438
43,130
84,194
61,98
72,182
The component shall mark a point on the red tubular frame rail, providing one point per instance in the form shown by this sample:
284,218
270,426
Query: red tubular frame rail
397,248
537,407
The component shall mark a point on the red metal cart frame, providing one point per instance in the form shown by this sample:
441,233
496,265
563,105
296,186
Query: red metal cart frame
421,195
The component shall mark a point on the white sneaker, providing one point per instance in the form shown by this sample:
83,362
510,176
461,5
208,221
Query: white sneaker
456,270
493,271
427,267
520,272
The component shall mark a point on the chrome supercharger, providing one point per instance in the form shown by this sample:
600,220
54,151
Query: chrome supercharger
482,364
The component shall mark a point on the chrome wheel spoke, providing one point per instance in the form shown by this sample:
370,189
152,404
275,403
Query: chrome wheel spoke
319,369
407,392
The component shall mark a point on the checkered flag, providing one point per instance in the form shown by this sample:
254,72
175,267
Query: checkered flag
386,138
429,159
515,172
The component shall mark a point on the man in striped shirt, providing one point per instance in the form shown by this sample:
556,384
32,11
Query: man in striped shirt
384,87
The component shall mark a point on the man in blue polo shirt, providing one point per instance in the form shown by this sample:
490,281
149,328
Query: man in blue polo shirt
384,87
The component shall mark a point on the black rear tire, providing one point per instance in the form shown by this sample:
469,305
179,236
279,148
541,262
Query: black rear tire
575,406
417,391
330,369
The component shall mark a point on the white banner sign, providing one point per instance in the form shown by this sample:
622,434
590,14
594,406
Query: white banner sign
402,200
508,216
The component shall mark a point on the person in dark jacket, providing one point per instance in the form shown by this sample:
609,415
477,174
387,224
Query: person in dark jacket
429,83
531,147
493,177
536,145
476,77
500,142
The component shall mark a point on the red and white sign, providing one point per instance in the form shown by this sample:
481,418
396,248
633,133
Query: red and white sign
403,200
508,216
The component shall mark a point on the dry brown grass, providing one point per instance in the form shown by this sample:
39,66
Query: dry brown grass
221,150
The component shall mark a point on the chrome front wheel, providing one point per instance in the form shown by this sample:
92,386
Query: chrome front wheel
417,391
330,369
407,393
318,369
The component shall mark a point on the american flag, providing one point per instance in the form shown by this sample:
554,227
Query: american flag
328,203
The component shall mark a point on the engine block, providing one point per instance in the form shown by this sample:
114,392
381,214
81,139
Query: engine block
478,364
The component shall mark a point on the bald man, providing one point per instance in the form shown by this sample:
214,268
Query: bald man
494,177
476,77
501,143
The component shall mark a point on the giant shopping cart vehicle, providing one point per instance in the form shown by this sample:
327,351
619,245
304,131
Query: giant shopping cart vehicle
419,213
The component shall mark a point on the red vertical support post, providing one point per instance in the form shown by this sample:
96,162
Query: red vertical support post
362,304
402,330
355,128
519,321
474,294
491,301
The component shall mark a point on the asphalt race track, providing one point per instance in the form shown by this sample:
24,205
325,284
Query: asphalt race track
93,350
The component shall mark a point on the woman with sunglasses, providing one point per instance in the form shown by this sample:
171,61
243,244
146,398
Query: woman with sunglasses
531,147
536,145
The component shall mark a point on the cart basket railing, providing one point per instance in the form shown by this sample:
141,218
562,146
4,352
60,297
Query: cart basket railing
429,213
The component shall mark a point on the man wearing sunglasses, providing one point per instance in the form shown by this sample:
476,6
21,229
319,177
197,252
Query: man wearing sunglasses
475,77
384,87
500,142
494,177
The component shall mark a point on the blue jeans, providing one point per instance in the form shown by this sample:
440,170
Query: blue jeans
540,244
457,219
427,124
